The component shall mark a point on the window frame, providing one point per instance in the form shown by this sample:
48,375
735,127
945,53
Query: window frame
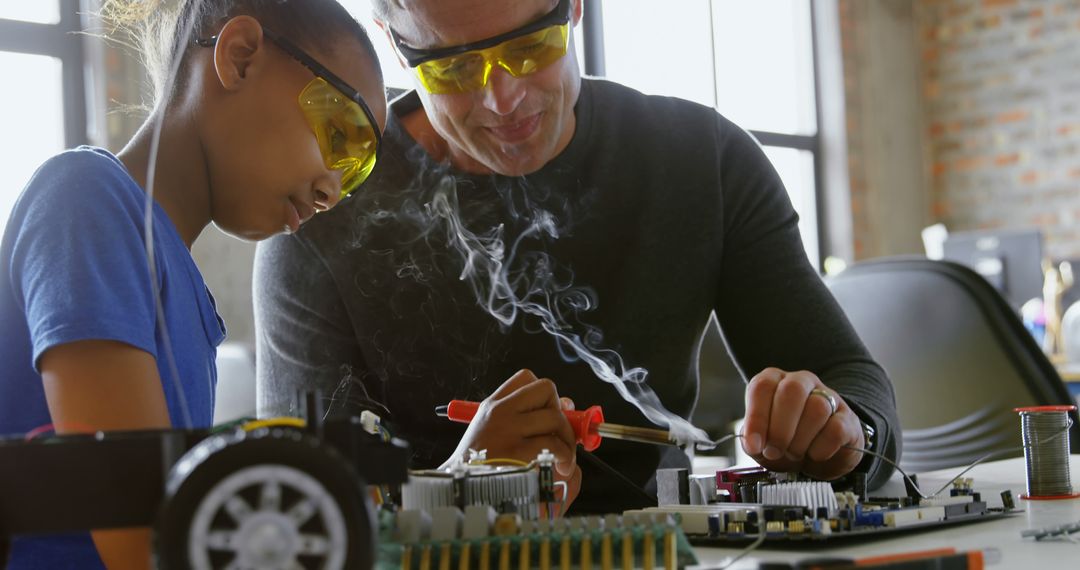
593,32
64,41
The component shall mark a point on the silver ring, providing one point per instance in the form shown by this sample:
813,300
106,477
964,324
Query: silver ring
829,397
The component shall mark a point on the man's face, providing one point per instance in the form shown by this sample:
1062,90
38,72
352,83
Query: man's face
514,125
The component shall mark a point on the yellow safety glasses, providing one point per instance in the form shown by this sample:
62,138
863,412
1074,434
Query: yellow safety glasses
465,68
348,135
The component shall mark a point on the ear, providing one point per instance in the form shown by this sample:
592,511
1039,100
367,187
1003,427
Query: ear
239,47
385,27
577,12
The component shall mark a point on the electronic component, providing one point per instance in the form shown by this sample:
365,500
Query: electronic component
750,503
509,486
509,489
487,512
506,541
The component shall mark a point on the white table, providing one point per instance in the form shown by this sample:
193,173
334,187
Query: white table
990,479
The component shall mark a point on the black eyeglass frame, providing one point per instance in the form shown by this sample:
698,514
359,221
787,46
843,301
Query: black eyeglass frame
559,15
320,71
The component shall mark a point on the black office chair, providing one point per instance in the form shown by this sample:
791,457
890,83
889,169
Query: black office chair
958,356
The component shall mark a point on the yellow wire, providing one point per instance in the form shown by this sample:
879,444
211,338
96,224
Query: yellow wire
274,422
509,461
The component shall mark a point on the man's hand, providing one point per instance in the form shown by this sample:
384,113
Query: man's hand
520,419
792,426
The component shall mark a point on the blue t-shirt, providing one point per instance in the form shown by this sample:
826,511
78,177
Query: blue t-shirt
73,267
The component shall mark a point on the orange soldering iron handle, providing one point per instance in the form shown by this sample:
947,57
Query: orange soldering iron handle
585,423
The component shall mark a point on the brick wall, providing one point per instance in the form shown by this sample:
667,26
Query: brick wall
883,116
1001,84
1001,94
852,42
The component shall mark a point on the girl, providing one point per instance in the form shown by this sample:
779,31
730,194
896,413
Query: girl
269,111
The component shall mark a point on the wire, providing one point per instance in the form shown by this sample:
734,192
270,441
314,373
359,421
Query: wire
597,462
72,426
714,443
275,422
908,478
918,490
231,424
562,504
148,221
506,461
1047,466
750,547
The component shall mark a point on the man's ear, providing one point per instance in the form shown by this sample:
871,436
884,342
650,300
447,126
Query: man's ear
385,27
239,47
577,12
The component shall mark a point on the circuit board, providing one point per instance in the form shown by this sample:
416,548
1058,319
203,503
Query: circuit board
502,514
478,538
739,505
778,533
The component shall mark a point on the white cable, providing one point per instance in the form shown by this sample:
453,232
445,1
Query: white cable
148,221
750,547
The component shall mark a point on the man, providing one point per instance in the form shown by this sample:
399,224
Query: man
522,217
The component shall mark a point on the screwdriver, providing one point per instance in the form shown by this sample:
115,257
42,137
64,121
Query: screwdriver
588,425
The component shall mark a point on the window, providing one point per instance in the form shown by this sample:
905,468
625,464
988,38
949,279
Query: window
752,61
40,11
43,110
394,75
33,127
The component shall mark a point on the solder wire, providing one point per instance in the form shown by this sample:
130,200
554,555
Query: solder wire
1028,444
1034,442
753,545
1047,465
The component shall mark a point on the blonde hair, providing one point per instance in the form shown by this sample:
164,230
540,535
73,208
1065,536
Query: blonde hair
164,30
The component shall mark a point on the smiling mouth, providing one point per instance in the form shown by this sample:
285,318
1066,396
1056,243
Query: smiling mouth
304,212
517,131
296,214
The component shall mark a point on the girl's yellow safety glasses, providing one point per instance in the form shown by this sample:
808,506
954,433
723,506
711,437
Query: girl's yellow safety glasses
344,125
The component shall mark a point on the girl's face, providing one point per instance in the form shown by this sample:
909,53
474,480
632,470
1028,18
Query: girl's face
266,172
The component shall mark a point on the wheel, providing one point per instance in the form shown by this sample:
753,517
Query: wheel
268,499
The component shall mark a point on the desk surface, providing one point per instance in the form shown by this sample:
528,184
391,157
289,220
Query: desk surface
1004,534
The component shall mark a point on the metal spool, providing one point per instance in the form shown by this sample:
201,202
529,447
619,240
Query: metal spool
1045,432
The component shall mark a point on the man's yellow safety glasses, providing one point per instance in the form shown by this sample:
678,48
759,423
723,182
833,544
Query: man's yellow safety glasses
464,68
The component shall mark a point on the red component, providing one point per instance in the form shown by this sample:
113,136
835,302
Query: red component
739,473
1045,409
728,480
585,423
1049,497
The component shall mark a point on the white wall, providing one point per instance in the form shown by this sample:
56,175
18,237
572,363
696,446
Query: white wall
226,264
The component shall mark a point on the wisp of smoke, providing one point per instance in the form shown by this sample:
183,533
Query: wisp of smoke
507,294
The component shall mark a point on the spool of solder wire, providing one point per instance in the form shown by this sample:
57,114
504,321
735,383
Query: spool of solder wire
1045,432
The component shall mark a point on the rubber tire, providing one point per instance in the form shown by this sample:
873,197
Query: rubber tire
220,455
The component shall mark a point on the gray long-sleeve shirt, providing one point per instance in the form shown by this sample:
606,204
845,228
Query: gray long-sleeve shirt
659,212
